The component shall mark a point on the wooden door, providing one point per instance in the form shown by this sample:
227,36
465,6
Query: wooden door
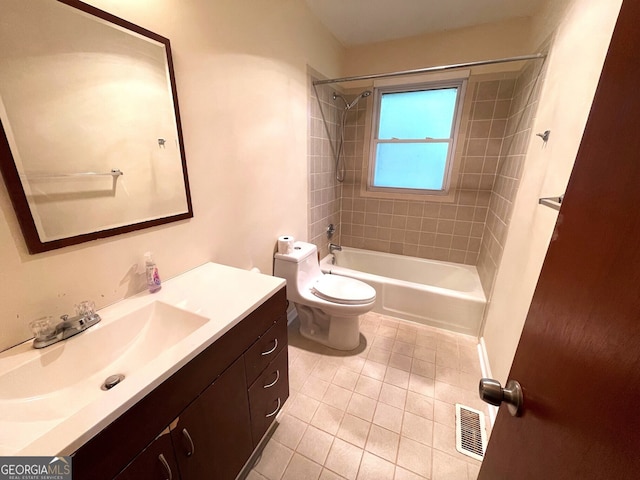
578,359
212,437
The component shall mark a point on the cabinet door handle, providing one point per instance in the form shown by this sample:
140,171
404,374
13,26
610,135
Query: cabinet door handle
275,411
187,437
275,381
166,466
275,340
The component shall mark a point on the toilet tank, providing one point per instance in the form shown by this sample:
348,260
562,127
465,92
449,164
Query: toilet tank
299,268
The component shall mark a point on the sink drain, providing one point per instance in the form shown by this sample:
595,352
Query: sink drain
112,381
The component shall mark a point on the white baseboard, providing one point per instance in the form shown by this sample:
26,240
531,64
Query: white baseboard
486,373
291,315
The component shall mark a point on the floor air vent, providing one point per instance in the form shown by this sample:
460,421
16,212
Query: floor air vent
471,436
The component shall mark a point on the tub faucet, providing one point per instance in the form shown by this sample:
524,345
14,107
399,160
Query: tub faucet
333,247
46,333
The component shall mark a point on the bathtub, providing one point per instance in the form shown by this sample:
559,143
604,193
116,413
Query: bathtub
440,294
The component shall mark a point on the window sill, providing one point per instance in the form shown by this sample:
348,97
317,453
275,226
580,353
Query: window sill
448,197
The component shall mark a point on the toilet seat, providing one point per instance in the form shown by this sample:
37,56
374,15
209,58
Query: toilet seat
343,290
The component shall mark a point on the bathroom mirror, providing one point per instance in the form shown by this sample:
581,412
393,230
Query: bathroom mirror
91,144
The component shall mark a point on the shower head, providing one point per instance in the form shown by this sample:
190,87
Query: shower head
354,102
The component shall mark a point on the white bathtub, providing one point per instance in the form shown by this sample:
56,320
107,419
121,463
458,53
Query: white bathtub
440,294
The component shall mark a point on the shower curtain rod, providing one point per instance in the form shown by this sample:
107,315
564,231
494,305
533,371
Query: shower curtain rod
431,69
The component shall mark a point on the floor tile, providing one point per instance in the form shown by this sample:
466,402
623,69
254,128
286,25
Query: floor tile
329,475
446,467
401,362
397,377
337,397
289,431
420,405
383,443
314,388
303,407
423,368
344,459
327,418
274,460
403,348
422,385
315,444
425,353
383,343
392,395
388,417
414,456
384,411
362,407
417,428
378,355
345,378
404,474
300,467
354,430
374,370
375,468
368,387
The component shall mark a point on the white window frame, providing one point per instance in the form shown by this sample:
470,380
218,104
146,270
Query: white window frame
460,82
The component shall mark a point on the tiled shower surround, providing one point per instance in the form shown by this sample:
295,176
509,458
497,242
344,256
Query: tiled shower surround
324,189
472,228
517,136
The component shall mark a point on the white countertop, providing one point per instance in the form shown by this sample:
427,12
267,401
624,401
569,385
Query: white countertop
224,295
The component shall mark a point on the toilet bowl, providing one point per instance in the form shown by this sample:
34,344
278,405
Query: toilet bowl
329,306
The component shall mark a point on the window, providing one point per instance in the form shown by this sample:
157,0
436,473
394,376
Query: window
413,137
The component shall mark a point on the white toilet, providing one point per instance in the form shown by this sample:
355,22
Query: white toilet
329,306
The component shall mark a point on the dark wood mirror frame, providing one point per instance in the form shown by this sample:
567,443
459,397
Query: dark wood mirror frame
14,184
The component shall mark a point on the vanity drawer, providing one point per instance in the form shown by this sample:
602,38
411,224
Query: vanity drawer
265,349
268,394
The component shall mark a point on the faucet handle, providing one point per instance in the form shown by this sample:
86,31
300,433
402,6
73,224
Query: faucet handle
85,308
43,327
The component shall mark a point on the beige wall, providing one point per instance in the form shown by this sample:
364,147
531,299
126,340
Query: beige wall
481,42
241,72
583,33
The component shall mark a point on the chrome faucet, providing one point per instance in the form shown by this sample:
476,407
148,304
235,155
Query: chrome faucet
333,247
47,333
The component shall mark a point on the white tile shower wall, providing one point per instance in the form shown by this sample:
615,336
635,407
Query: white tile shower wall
324,189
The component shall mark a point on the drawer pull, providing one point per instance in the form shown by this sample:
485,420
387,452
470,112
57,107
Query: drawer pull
187,437
275,340
275,381
275,411
166,466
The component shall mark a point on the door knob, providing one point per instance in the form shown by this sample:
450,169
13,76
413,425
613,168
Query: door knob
492,392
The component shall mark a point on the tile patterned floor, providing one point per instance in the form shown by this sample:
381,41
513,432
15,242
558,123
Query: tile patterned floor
383,412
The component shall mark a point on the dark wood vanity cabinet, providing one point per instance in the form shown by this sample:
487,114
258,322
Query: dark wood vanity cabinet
157,461
212,413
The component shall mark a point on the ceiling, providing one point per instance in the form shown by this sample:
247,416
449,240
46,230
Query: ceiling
357,22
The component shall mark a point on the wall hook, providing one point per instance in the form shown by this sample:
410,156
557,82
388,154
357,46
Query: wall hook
544,136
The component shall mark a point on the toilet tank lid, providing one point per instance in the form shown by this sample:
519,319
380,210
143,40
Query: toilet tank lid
301,250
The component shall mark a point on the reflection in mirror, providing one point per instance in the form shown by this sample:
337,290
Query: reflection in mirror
91,143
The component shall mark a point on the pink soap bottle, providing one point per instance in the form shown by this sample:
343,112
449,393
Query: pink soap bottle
153,277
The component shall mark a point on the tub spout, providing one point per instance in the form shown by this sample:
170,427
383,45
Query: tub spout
333,247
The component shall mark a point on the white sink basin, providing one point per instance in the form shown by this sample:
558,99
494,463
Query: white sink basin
65,377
